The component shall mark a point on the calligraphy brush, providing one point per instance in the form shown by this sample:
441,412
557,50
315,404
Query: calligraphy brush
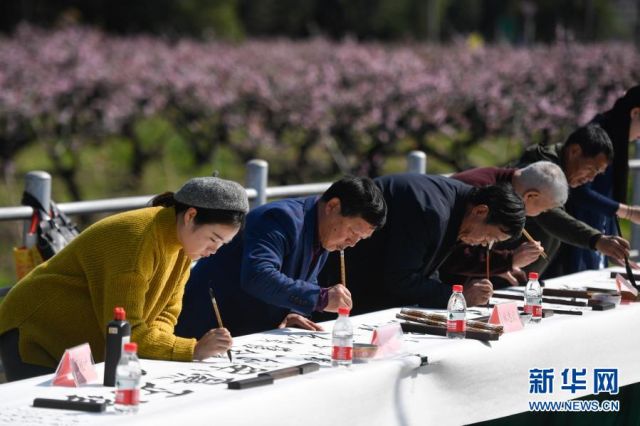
218,318
530,238
626,258
488,264
343,272
488,268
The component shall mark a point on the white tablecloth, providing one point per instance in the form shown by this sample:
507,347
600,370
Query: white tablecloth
464,382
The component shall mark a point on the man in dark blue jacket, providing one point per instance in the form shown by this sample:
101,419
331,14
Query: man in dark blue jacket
267,276
427,217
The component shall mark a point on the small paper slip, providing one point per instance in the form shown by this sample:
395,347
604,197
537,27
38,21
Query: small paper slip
76,367
625,286
506,314
389,340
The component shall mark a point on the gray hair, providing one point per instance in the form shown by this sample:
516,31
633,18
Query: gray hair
547,178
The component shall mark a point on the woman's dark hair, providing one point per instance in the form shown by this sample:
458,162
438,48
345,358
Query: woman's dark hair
592,139
359,197
203,216
506,208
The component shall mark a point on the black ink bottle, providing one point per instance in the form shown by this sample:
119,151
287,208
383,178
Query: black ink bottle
118,333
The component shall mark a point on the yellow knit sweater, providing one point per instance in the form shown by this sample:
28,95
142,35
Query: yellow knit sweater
133,260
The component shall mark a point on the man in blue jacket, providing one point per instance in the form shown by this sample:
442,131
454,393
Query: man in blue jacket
428,216
267,276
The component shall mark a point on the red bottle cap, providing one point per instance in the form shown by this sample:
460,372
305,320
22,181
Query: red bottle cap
458,288
533,275
343,311
131,347
119,314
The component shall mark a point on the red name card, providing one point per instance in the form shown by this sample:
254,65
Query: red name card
624,285
506,314
76,367
389,340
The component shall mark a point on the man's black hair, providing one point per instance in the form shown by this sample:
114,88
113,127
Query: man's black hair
593,140
359,197
506,208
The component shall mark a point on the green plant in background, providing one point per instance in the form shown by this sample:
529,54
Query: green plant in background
108,123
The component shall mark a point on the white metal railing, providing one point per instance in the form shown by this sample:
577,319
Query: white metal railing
38,184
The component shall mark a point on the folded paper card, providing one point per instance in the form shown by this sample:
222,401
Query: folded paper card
388,339
626,289
506,314
76,367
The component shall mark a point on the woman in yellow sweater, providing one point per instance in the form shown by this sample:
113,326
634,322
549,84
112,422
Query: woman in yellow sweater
138,260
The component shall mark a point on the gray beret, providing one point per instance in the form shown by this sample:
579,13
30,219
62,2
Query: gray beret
213,193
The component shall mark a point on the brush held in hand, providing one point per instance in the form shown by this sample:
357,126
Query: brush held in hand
343,272
627,266
219,319
531,240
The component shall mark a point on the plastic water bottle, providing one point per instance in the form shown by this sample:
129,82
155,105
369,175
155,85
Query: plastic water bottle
118,333
342,340
128,376
456,314
533,298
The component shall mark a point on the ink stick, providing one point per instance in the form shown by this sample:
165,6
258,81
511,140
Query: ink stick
308,367
295,370
624,275
63,404
282,373
250,383
602,306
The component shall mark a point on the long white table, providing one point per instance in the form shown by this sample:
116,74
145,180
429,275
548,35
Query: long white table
465,381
